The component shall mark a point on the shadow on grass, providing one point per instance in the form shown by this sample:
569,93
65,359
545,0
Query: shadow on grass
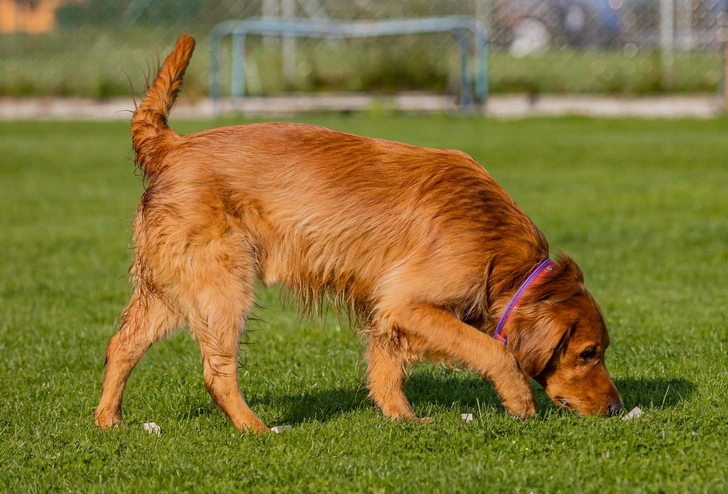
464,393
318,405
423,391
442,390
451,389
654,393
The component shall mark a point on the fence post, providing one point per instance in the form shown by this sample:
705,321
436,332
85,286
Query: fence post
684,25
667,41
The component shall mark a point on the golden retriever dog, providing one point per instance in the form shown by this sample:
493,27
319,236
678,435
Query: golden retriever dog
421,246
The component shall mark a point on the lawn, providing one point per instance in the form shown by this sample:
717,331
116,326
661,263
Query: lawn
641,205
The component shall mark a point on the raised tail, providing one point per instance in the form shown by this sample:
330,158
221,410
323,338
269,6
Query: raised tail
151,137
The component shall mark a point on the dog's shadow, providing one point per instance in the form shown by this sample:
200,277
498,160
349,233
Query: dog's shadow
657,393
427,391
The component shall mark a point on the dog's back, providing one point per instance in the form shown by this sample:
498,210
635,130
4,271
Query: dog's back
330,213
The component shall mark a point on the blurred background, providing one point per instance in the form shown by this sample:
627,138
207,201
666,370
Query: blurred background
624,47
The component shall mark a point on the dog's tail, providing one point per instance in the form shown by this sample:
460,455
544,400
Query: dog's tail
151,137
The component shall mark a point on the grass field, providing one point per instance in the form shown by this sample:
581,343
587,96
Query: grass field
641,205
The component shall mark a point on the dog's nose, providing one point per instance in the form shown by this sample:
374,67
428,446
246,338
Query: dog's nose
615,408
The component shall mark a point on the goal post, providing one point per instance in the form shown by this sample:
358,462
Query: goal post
466,30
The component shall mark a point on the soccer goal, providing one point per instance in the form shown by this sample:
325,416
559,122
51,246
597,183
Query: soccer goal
467,32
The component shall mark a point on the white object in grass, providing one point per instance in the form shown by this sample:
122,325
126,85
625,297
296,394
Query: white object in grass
467,417
280,428
634,414
152,428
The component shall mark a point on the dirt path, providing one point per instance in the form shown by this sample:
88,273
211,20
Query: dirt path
500,106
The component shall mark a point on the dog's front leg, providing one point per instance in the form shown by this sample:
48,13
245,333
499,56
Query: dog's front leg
386,376
437,332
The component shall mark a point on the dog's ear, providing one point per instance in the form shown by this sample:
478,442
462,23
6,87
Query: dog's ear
568,271
533,343
543,322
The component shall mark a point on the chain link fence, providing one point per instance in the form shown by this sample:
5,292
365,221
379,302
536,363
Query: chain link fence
97,48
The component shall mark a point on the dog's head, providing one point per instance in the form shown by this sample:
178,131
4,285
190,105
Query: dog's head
559,337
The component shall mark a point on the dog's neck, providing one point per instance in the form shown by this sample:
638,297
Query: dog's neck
543,269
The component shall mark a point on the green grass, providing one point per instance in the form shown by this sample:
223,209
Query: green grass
92,61
604,72
640,204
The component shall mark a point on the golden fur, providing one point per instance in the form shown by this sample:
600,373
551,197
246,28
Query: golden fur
421,245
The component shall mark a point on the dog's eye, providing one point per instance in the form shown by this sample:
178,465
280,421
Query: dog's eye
589,353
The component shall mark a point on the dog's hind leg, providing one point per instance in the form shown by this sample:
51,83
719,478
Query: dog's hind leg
221,304
146,320
386,376
219,345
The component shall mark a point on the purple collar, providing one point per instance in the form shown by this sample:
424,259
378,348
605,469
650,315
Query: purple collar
538,273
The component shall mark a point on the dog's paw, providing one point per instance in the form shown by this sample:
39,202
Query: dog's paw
411,418
523,409
106,420
255,427
114,425
519,399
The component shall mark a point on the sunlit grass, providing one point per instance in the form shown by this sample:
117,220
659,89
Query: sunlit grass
640,204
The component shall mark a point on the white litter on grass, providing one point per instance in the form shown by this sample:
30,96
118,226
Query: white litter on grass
467,417
280,428
634,414
152,428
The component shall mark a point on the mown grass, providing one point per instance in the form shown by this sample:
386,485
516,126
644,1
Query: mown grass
94,62
640,204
